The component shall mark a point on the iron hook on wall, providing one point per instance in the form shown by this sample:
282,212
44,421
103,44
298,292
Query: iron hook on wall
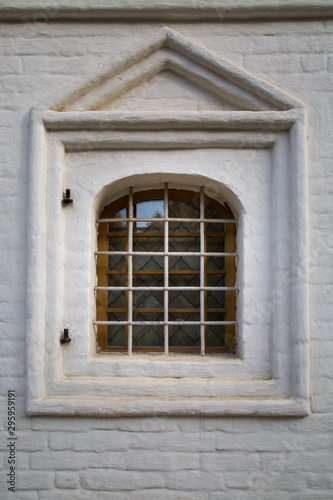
66,200
66,338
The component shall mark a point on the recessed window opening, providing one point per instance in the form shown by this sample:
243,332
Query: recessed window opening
166,270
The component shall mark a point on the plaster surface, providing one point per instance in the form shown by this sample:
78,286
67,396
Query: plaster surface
162,456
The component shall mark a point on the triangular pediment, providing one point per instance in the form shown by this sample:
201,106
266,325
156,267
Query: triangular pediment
169,72
168,91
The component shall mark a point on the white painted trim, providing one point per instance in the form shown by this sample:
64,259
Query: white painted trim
168,48
91,385
164,48
122,120
40,399
168,10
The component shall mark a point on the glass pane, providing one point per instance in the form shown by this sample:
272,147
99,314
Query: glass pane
116,334
184,300
184,263
117,244
215,336
180,209
118,225
215,244
117,280
148,300
116,263
184,336
184,227
151,244
148,280
184,316
149,209
215,300
215,316
116,299
184,279
216,280
148,263
148,335
214,228
216,263
186,244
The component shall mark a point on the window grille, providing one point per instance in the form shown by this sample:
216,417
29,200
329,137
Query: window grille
166,268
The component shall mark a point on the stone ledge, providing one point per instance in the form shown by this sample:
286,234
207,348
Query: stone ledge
170,10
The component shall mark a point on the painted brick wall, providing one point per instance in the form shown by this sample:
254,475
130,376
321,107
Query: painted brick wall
164,458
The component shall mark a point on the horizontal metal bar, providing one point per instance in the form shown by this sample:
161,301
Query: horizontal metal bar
174,254
160,288
180,272
163,219
186,323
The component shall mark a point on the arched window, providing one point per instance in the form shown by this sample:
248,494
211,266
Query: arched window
166,268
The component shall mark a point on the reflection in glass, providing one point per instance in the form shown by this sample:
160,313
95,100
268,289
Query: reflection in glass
149,209
118,225
183,209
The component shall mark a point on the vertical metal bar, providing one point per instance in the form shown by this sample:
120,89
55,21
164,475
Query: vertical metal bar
202,270
130,269
166,270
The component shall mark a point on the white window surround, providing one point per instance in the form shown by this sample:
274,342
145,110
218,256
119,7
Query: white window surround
98,155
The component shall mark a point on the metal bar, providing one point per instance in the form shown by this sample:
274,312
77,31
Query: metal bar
130,267
164,219
156,311
202,271
161,235
170,288
165,323
172,254
166,269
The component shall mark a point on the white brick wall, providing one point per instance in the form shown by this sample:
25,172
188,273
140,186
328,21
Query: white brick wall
167,458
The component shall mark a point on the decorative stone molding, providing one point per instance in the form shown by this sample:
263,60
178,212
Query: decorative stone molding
248,147
169,10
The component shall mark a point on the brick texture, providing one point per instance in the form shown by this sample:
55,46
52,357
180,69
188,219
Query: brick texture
166,458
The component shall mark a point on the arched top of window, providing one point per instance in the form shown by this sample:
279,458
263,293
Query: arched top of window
166,266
